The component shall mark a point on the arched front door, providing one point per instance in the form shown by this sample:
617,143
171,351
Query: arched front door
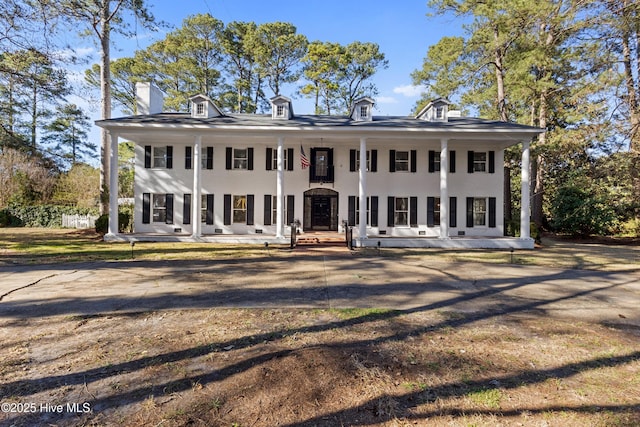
320,210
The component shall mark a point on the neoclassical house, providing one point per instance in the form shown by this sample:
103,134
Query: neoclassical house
433,180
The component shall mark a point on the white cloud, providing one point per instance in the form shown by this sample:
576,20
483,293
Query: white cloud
409,91
85,53
386,100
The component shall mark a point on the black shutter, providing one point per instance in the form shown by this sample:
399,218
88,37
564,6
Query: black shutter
414,160
209,164
290,159
492,212
169,200
469,212
188,154
146,208
250,159
352,160
290,209
432,161
392,161
470,161
269,164
453,212
186,209
374,161
452,161
147,157
351,216
250,210
431,207
374,211
229,157
209,215
492,162
169,157
391,209
413,211
227,209
268,211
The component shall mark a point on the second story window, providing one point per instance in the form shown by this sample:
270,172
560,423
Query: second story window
480,161
159,157
402,161
200,108
364,111
240,158
280,110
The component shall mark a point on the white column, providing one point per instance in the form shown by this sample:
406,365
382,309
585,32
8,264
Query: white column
362,188
280,190
525,204
444,188
113,185
196,198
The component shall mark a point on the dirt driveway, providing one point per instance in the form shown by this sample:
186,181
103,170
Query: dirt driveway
322,281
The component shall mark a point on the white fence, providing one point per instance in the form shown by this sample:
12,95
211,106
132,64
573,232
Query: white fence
79,221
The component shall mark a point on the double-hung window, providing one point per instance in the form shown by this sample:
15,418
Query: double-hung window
160,208
159,157
240,209
368,159
240,158
402,161
274,162
401,211
480,161
479,212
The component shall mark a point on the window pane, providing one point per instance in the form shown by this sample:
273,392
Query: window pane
402,204
240,209
402,161
159,208
480,162
321,162
401,218
479,211
203,208
239,158
159,157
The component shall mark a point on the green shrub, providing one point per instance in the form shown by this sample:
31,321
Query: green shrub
581,212
124,223
47,216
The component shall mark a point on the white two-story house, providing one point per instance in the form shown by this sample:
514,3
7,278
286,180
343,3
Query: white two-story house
435,179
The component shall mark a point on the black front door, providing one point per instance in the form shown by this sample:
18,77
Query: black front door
321,212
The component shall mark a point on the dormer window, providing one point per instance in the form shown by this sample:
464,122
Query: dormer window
203,107
361,110
364,111
281,108
435,111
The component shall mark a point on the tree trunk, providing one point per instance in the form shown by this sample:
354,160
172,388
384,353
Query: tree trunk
105,91
538,189
498,58
632,96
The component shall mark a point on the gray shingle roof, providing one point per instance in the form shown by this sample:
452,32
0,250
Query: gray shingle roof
315,121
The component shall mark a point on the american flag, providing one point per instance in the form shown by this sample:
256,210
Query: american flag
304,161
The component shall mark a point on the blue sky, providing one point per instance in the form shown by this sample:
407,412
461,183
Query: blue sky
402,29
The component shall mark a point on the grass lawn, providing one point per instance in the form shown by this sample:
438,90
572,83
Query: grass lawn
34,245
